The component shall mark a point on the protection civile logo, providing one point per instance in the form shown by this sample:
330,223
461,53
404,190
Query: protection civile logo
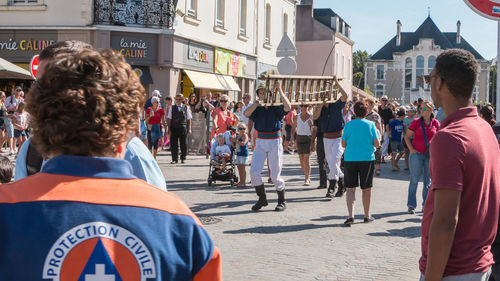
99,251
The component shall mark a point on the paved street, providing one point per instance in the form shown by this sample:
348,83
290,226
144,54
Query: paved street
308,240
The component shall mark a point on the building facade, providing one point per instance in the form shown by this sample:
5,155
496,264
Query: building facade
396,69
190,46
323,44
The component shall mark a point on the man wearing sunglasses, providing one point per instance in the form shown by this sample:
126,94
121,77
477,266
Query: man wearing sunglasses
269,144
461,211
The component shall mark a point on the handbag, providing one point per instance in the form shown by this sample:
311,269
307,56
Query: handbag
427,155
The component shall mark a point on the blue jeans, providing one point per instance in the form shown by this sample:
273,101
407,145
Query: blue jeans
419,167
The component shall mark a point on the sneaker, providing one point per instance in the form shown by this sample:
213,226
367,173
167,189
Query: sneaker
269,180
182,161
307,182
411,210
11,152
369,219
287,152
173,162
349,221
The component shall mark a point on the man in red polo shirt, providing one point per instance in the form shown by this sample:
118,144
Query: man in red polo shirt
461,212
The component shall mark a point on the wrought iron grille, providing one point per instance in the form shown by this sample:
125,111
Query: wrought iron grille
140,13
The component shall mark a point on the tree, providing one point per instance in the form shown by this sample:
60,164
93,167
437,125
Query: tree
358,68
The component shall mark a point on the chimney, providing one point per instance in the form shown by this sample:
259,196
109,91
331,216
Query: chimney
459,38
398,36
307,2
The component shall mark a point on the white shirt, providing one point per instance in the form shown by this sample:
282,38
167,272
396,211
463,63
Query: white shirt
11,102
222,149
245,119
179,108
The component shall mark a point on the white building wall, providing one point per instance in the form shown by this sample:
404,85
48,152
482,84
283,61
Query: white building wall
203,28
267,52
47,13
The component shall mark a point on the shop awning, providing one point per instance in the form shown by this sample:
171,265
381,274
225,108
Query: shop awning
228,83
9,70
212,81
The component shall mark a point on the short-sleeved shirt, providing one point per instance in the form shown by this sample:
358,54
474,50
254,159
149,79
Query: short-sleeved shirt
396,129
179,108
418,138
268,120
464,157
332,118
386,114
290,116
359,135
222,149
156,118
406,123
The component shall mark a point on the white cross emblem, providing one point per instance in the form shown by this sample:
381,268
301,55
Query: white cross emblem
99,275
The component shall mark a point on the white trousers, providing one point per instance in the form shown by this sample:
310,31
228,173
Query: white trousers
271,149
333,156
385,145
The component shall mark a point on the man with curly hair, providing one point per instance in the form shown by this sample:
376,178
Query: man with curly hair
99,222
29,160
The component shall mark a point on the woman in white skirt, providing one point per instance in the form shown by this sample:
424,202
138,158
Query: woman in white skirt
303,126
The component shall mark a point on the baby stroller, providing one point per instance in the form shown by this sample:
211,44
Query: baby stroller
213,174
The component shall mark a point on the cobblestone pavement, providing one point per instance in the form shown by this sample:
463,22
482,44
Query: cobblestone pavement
308,240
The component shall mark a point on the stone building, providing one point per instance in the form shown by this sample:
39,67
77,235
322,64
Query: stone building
396,69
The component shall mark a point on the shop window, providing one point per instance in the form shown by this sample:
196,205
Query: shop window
192,8
268,24
243,17
380,72
408,72
220,11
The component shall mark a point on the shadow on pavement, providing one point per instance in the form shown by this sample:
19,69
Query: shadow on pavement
408,232
376,216
415,220
281,229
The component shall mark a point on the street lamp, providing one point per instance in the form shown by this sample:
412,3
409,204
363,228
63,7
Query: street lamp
327,58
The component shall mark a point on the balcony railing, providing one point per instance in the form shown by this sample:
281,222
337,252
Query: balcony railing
136,13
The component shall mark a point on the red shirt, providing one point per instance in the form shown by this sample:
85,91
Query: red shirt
156,118
465,157
418,138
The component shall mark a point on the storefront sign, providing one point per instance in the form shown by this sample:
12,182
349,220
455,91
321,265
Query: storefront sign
198,56
230,63
21,46
138,49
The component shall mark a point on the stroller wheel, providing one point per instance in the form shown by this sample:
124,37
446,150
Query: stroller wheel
236,179
209,182
231,182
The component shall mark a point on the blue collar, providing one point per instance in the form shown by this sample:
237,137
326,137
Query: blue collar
90,167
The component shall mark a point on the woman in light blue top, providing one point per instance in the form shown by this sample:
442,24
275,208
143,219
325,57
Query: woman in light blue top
360,138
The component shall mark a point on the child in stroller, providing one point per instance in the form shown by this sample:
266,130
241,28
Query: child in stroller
222,155
222,165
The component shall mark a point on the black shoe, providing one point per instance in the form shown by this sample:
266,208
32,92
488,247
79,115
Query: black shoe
349,221
331,189
411,210
281,202
182,161
173,162
341,189
369,219
262,202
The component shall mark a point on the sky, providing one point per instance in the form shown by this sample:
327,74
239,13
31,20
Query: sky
373,22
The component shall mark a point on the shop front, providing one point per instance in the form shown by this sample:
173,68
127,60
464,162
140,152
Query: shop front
240,67
19,47
140,51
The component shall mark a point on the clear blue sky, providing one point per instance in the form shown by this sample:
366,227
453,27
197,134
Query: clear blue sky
373,22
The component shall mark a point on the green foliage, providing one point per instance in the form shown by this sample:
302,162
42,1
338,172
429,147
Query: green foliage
358,70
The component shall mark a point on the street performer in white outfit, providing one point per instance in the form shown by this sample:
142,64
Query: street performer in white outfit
332,124
267,122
